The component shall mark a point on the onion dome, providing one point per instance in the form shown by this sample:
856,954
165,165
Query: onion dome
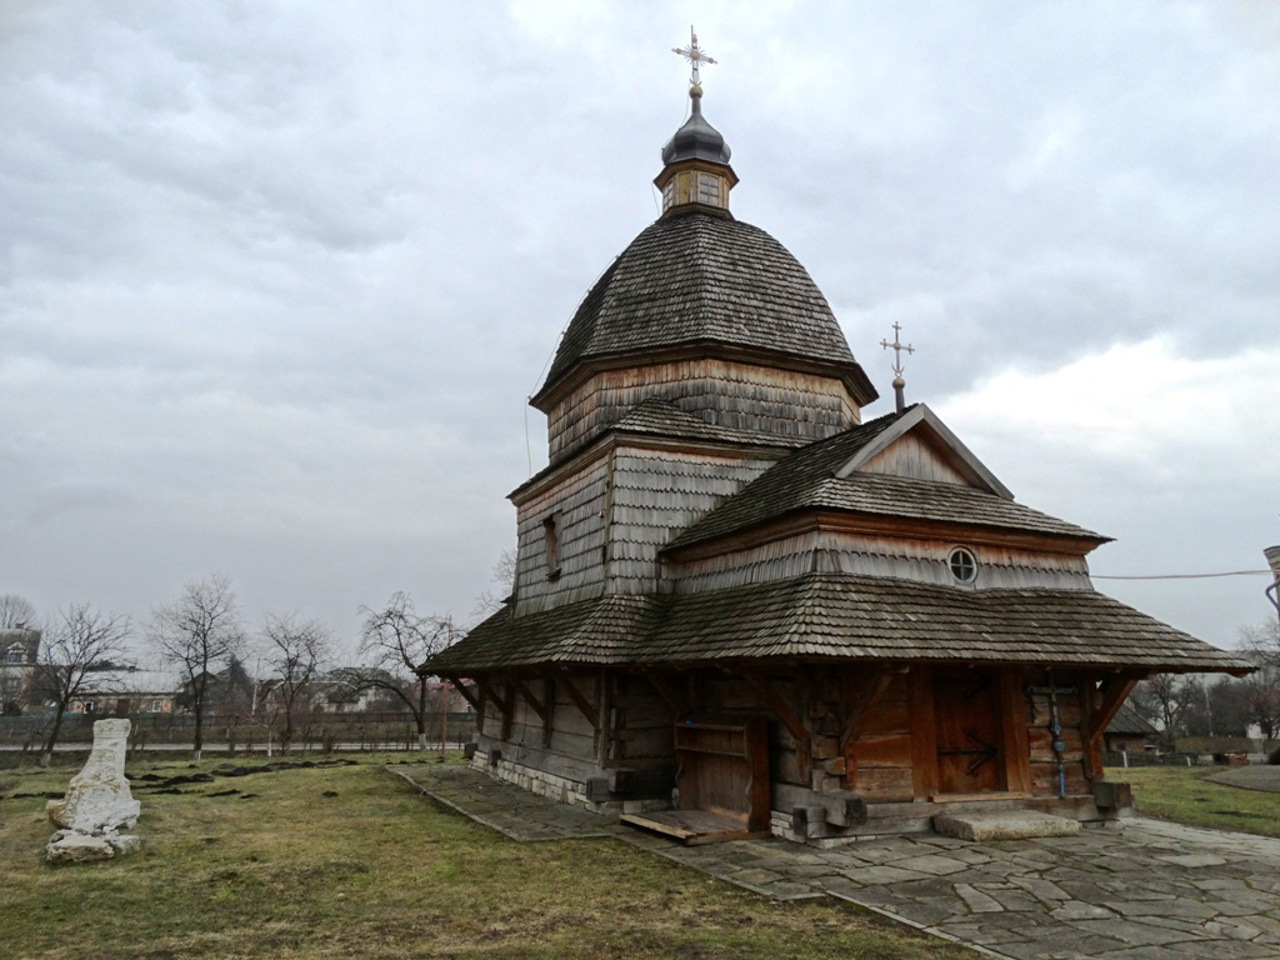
696,172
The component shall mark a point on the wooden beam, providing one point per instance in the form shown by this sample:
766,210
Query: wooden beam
487,692
924,736
549,704
1014,721
769,695
679,706
862,692
581,702
505,708
473,697
1100,706
535,704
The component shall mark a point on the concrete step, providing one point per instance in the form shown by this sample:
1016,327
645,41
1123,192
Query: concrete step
1004,825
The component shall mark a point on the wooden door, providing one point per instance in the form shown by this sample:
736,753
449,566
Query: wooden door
968,738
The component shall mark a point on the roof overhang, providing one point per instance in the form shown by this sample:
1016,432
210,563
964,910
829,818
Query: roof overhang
826,520
851,374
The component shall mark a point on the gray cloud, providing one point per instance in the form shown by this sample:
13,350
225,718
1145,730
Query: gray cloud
275,281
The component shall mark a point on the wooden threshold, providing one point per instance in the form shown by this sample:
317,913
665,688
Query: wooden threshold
693,827
975,797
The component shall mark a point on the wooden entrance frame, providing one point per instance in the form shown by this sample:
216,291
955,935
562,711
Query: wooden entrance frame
1010,715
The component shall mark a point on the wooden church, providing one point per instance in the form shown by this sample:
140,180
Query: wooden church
741,608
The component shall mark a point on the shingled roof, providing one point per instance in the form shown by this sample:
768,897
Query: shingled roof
807,480
701,278
838,616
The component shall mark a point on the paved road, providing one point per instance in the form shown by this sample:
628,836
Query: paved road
1151,891
1256,777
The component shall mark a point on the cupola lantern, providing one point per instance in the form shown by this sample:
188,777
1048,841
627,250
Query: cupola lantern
696,174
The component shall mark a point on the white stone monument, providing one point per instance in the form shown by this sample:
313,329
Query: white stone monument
98,802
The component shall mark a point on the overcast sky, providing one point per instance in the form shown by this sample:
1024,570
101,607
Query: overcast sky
277,278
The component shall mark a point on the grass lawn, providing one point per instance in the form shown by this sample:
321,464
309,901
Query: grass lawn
1182,794
349,861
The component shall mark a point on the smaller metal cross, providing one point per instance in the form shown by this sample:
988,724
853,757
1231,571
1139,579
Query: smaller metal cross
693,53
897,349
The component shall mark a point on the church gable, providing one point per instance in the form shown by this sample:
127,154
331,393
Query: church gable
919,446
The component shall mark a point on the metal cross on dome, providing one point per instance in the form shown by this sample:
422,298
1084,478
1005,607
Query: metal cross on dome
897,349
693,53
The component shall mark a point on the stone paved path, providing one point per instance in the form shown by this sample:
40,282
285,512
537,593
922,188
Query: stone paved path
1152,891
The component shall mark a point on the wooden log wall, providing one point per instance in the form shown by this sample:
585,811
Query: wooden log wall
880,762
742,396
577,507
572,749
656,493
640,727
905,558
891,758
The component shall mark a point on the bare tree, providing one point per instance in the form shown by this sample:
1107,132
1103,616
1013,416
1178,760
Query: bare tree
1261,689
82,641
16,611
1164,698
296,650
197,632
501,583
394,642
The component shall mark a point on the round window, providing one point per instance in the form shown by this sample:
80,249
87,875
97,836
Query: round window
964,565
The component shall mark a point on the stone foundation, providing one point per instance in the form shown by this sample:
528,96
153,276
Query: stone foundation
562,790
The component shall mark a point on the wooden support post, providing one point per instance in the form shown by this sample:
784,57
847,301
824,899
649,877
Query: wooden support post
861,694
667,690
508,707
505,709
924,736
776,703
581,702
1017,739
1099,706
549,705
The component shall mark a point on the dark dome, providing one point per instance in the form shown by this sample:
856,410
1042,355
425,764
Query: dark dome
696,278
696,140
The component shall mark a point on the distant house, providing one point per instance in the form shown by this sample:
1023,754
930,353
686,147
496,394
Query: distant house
1129,732
19,650
343,691
126,692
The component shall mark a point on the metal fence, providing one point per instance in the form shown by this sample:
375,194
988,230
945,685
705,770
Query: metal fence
381,730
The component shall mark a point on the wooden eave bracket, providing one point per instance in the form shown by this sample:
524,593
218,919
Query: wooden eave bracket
503,704
581,702
473,696
1110,696
679,706
862,693
543,710
780,708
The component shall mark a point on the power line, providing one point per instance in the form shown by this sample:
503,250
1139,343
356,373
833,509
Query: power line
1187,576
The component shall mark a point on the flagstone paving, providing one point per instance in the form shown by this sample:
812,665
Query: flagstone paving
1149,891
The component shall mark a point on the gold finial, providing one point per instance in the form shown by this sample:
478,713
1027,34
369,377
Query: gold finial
898,347
693,53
